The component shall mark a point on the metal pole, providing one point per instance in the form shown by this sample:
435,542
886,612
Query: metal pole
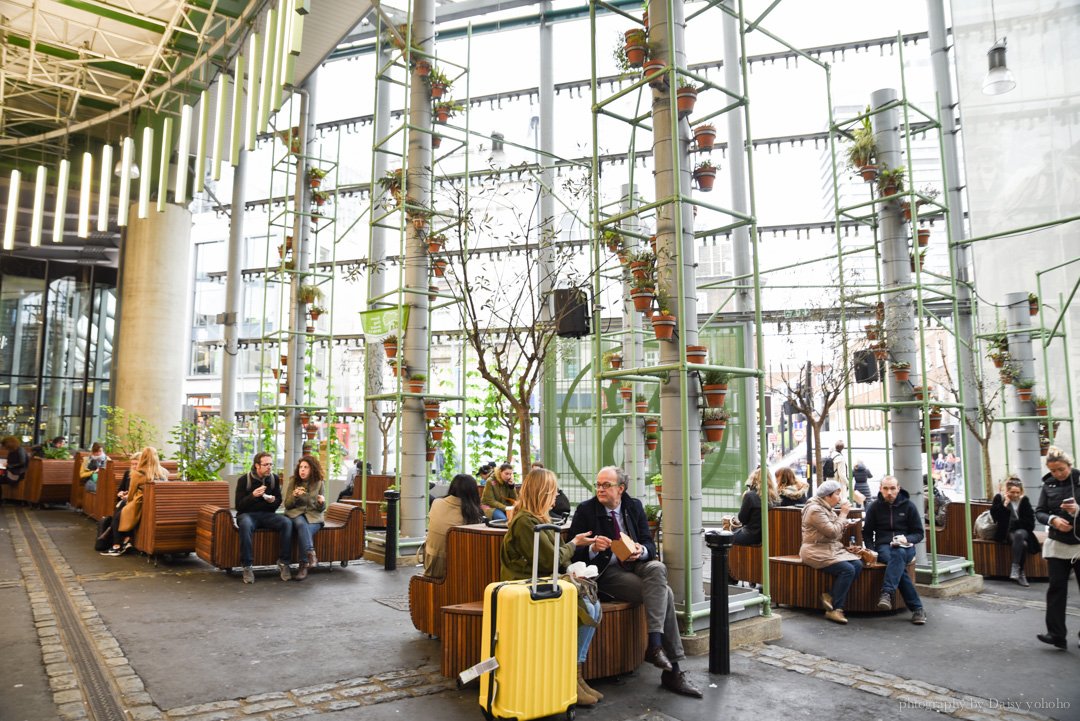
961,254
390,549
546,230
719,543
233,288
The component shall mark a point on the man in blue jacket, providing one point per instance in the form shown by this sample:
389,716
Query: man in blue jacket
640,578
893,527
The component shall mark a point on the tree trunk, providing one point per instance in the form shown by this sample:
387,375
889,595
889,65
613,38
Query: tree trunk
524,438
988,476
817,451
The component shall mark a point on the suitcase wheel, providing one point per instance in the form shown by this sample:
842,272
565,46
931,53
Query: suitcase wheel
571,713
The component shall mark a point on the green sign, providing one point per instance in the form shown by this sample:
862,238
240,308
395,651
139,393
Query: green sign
384,321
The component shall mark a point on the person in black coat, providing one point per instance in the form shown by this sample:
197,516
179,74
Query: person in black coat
893,528
750,511
640,578
1015,519
1057,508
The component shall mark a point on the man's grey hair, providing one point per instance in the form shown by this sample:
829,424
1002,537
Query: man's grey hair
888,478
620,475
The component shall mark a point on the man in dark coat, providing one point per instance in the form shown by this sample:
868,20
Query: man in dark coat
640,578
258,496
893,527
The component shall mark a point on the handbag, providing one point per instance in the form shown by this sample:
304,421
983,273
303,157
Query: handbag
587,589
865,554
985,526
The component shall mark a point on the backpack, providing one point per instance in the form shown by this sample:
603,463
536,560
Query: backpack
104,534
828,468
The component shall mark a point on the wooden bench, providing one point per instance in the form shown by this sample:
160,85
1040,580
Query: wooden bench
76,499
618,647
372,503
102,502
785,539
46,481
800,586
169,513
217,539
995,559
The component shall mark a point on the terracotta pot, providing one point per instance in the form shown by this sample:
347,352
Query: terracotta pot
888,190
663,326
440,268
924,237
905,208
871,332
434,246
309,329
713,430
714,395
705,137
616,362
1024,394
283,388
650,443
651,424
436,142
390,346
414,386
881,354
869,173
635,55
645,20
652,66
304,418
437,432
394,369
430,455
1006,378
626,393
442,114
998,362
1042,411
276,372
423,68
641,406
284,360
686,98
696,353
314,314
705,178
902,374
640,269
1033,307
281,251
879,311
918,391
431,410
315,182
643,299
437,90
311,431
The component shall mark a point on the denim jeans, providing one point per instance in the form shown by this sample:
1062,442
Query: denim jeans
585,633
246,523
896,560
845,573
305,534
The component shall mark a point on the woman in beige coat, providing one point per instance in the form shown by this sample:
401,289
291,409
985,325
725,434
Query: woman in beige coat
460,507
823,531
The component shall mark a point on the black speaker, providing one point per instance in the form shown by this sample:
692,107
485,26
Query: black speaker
571,313
866,366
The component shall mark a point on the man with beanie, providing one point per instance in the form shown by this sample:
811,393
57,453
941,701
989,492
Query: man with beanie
258,495
893,528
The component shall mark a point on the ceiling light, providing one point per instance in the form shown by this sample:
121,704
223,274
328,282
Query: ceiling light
128,172
83,230
148,163
999,79
133,170
60,209
12,214
104,189
39,207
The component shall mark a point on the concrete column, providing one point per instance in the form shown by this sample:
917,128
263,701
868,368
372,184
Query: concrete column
153,332
546,232
1023,436
234,285
682,481
633,352
412,476
904,423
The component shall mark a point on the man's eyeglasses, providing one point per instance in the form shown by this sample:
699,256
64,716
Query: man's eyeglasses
264,465
606,485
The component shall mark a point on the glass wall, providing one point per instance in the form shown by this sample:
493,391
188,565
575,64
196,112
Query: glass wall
55,350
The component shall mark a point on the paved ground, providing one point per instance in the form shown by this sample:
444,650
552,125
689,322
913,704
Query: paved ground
186,642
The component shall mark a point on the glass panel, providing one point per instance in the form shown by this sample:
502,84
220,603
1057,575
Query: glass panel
103,326
61,408
67,329
21,316
97,395
17,399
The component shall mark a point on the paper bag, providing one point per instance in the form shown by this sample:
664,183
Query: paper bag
624,547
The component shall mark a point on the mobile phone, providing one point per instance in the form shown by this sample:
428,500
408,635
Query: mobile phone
1069,500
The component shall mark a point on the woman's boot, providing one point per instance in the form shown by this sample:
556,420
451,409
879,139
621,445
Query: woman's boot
584,698
581,683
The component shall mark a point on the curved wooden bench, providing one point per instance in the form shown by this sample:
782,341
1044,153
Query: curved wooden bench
472,562
217,540
995,559
618,647
76,500
372,504
47,481
170,510
795,584
785,539
102,502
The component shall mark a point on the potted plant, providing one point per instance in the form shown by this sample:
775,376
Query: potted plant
705,176
653,514
686,97
439,265
430,453
696,353
714,386
713,423
438,428
308,293
315,311
612,359
315,176
891,181
651,440
436,243
446,110
881,351
203,450
311,430
304,416
642,293
656,480
705,136
283,387
921,391
440,85
998,357
1033,304
1008,373
1044,445
923,237
663,320
935,418
879,311
284,359
276,372
391,183
655,70
1024,388
319,197
651,425
901,371
863,150
612,239
633,50
436,141
873,331
395,366
921,256
626,390
431,409
1042,406
641,403
642,263
291,139
390,345
415,382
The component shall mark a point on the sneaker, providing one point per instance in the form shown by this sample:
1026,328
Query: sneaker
284,570
126,547
826,600
249,574
885,602
918,617
112,552
836,615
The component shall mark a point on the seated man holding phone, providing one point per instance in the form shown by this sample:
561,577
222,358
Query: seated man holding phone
258,496
617,520
893,528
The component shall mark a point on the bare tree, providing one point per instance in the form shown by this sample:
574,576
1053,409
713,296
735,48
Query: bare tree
386,422
982,425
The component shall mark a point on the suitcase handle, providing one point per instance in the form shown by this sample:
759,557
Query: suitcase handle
537,592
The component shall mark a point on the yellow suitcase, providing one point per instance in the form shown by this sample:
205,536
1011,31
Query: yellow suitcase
530,629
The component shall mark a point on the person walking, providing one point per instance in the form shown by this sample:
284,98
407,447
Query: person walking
1057,508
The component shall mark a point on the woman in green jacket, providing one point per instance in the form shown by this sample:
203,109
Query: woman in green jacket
499,492
516,558
305,505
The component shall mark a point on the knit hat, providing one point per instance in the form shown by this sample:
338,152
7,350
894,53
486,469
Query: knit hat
827,489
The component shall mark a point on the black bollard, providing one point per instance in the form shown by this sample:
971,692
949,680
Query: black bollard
390,559
719,543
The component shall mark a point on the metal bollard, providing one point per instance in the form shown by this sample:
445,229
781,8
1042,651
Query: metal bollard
719,543
390,558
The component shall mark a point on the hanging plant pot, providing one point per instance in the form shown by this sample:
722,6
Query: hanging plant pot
640,269
390,346
626,393
696,353
881,353
315,314
437,432
653,66
918,391
1006,376
436,243
309,329
440,268
714,395
276,372
1024,394
998,359
663,325
651,425
634,47
902,375
1033,305
869,173
311,430
304,418
650,444
705,137
879,311
284,359
419,222
872,332
652,243
394,369
423,68
283,388
641,406
643,299
705,177
905,208
924,237
1042,410
430,456
714,430
645,20
436,141
431,410
414,386
442,113
438,88
281,251
686,98
935,420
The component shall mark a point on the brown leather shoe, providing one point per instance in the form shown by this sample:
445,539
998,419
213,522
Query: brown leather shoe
658,658
676,682
301,572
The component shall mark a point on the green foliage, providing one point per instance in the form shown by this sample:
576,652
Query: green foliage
267,425
127,433
863,148
57,454
900,365
1024,383
335,449
656,479
653,512
608,356
203,450
488,440
314,173
438,77
892,176
309,293
715,414
716,378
